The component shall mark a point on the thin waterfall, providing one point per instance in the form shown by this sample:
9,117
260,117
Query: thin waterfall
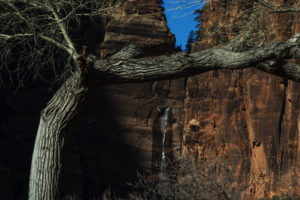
164,125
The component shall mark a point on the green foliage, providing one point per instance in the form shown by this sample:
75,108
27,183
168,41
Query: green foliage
178,48
161,2
198,17
191,39
198,26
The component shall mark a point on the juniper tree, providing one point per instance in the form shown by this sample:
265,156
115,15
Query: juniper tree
190,41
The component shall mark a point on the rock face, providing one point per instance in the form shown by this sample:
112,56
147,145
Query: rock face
138,22
247,118
119,131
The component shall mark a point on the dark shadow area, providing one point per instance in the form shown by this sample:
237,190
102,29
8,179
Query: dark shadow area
19,118
89,34
98,156
20,110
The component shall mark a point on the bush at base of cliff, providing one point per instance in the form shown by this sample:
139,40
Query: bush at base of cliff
183,179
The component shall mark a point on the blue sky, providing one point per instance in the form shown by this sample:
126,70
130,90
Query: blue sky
180,17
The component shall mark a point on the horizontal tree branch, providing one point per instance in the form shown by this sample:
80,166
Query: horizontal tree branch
19,35
184,5
270,58
46,38
278,8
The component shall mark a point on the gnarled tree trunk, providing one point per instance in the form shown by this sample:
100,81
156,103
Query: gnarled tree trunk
54,124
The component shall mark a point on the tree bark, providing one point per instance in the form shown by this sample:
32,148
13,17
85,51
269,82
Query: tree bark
54,124
270,58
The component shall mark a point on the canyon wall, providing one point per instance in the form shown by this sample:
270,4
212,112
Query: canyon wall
245,119
119,130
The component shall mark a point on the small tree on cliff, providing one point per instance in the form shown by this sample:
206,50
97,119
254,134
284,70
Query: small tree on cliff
198,26
190,41
40,35
161,2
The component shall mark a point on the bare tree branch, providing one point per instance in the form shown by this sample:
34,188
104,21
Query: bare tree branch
59,45
269,58
39,34
7,37
278,8
61,26
184,5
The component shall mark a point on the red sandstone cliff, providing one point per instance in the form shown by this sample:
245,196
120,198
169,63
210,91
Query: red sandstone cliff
248,118
139,22
119,131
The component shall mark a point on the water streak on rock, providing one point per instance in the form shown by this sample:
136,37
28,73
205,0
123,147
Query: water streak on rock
164,126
